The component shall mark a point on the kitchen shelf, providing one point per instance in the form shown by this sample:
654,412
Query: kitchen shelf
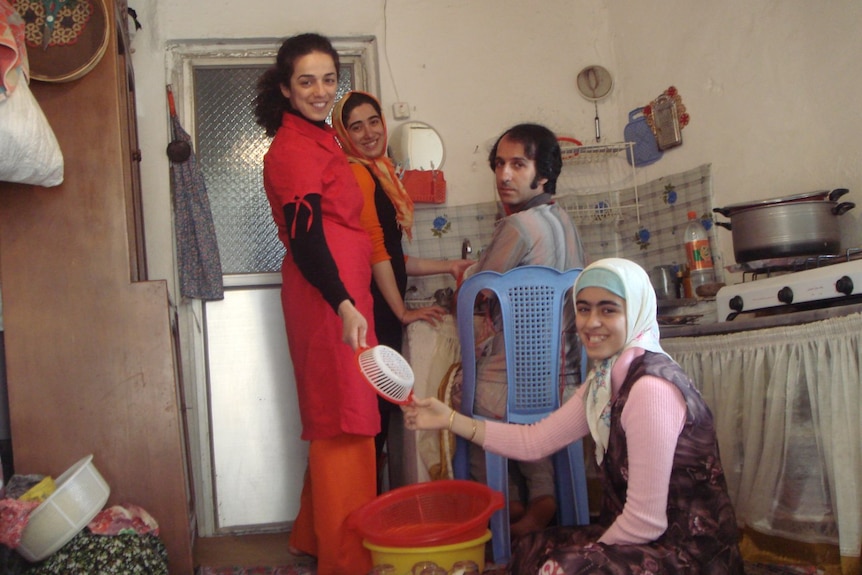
579,155
591,178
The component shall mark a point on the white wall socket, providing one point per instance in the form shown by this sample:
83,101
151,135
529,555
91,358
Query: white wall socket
401,110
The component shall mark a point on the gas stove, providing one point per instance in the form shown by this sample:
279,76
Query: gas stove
834,282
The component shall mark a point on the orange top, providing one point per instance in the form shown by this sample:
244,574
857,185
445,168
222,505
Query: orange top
368,218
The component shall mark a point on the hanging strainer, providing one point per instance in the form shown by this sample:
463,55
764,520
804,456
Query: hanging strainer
387,372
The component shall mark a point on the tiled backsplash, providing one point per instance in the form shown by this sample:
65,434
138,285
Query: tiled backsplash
644,224
439,232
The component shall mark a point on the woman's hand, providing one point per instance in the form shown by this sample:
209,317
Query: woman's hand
432,314
354,326
428,413
458,267
431,413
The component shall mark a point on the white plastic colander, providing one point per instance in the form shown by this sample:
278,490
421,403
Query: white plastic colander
387,372
81,493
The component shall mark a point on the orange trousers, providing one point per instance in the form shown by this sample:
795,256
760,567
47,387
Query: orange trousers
341,477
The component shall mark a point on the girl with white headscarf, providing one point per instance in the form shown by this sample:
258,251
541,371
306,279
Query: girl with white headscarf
665,505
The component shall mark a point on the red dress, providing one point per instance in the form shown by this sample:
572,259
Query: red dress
333,397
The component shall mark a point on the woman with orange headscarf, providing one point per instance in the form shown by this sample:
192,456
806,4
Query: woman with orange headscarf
387,215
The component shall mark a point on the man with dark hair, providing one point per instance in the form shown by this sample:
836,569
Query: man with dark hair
536,231
540,145
526,162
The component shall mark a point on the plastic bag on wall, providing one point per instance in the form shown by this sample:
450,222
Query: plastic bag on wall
645,151
425,186
29,151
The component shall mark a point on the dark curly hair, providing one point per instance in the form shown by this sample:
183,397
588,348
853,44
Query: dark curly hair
541,146
270,104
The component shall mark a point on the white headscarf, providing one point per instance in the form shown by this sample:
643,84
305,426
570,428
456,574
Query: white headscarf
642,331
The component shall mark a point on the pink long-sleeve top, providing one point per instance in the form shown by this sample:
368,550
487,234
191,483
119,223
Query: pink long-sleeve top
652,419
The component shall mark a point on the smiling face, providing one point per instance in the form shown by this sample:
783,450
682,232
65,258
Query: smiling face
516,174
600,319
312,86
366,130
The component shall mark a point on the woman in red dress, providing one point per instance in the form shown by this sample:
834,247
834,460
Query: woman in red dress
326,298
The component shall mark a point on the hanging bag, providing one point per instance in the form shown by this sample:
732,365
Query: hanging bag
645,150
29,151
425,186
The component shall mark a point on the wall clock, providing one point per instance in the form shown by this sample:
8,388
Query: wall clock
65,38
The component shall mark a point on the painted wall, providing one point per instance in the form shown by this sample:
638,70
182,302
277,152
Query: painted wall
771,85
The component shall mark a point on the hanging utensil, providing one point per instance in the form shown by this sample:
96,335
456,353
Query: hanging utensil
387,372
198,257
178,150
594,84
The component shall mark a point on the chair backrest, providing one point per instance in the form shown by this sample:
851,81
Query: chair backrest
532,302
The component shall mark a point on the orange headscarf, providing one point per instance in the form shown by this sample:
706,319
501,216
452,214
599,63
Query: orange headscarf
382,166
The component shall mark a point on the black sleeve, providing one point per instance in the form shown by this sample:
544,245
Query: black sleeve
310,252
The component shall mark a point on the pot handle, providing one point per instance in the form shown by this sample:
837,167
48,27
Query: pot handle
837,193
843,208
723,211
726,225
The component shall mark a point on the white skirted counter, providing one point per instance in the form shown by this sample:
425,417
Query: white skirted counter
431,352
787,406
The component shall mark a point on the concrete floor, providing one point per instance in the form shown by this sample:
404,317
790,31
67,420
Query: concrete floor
258,550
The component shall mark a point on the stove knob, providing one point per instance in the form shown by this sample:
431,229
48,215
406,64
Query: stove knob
844,285
735,303
785,295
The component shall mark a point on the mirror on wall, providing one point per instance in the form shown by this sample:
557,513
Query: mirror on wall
416,146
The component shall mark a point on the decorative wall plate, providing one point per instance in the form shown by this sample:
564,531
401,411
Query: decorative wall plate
65,38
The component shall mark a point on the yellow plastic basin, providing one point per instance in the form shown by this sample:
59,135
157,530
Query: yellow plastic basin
404,558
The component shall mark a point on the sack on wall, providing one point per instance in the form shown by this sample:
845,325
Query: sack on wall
29,151
645,150
425,186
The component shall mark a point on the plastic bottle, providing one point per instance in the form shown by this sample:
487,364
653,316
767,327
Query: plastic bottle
698,253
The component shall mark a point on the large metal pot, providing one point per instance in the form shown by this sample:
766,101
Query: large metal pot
791,226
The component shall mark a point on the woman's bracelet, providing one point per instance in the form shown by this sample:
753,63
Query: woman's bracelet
473,434
451,419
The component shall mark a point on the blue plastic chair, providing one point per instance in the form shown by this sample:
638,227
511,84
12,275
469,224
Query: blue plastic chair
532,300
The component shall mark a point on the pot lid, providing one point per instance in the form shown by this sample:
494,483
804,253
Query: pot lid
818,195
